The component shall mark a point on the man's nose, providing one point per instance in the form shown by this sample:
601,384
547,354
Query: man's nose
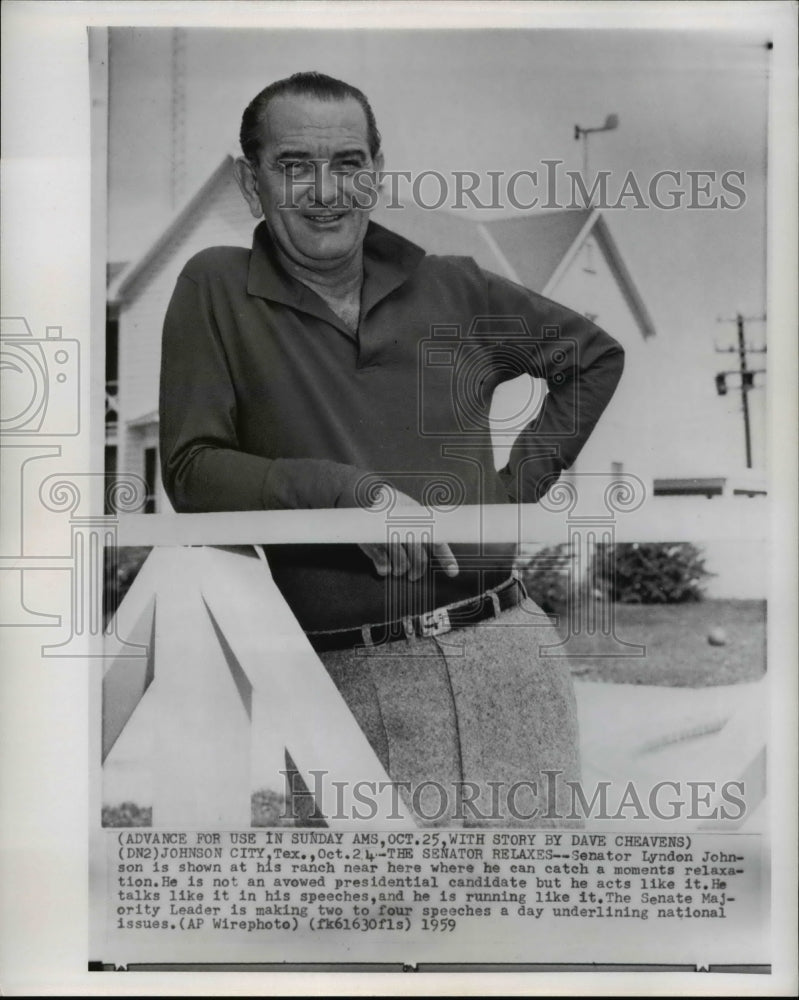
326,187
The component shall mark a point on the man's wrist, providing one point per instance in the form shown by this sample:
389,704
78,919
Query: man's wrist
508,480
310,483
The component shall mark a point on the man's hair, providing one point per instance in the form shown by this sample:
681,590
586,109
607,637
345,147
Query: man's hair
316,85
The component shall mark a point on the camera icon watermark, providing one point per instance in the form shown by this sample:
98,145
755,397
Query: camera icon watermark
40,379
467,366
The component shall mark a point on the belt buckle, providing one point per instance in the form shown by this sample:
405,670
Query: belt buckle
435,622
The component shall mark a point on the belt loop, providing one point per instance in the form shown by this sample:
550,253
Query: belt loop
366,632
495,601
407,625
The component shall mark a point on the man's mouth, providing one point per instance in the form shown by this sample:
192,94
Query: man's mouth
324,218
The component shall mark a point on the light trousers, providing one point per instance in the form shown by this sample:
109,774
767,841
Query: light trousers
478,726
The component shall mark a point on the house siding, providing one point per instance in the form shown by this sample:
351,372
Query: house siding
224,221
597,295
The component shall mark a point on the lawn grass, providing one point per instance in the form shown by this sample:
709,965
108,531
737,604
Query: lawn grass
678,653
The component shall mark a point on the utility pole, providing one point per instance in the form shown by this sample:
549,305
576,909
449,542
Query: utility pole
739,320
177,163
747,375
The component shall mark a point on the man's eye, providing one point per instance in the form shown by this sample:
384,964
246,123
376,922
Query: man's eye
297,168
348,166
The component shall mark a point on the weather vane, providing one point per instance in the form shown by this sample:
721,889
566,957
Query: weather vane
611,122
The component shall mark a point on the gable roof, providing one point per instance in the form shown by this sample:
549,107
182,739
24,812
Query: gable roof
440,232
526,249
533,250
550,233
125,284
113,268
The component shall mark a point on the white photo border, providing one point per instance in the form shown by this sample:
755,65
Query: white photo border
48,279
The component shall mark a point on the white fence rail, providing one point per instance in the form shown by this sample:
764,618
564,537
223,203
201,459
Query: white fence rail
657,519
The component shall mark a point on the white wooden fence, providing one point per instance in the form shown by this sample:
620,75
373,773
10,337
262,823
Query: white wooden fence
226,678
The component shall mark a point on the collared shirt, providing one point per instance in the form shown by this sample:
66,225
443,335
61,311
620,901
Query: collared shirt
269,400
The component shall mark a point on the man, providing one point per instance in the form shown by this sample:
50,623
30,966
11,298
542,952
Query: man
335,361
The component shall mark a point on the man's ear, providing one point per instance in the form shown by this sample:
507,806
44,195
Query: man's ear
248,185
378,164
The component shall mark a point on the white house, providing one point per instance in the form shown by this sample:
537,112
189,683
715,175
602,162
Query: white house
569,256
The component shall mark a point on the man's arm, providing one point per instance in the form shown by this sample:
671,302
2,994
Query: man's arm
582,366
203,466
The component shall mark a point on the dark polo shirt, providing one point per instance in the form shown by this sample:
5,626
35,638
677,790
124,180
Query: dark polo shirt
269,401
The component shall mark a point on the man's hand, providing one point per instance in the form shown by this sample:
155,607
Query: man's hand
410,558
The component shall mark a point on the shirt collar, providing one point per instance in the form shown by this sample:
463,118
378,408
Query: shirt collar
388,261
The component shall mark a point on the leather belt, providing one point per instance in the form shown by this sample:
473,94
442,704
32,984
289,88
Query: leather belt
439,621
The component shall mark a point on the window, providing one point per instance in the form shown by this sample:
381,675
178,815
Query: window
111,373
111,346
588,258
110,474
150,478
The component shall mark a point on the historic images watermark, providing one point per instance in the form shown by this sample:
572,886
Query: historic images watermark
553,800
548,186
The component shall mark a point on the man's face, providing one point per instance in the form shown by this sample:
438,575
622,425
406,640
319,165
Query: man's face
305,179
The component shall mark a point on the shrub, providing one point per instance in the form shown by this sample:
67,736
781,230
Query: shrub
545,575
127,814
651,572
120,568
268,808
637,573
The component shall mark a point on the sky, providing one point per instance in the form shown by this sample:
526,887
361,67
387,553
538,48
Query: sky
492,100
